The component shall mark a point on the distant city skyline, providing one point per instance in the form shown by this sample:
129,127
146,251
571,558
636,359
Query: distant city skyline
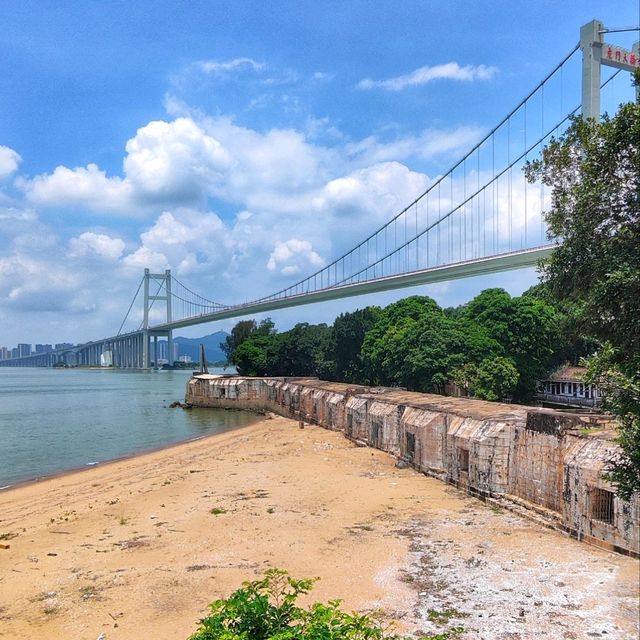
242,145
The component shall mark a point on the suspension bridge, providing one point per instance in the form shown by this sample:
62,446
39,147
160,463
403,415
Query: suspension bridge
480,217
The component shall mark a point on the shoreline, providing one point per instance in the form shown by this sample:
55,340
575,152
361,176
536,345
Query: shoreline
94,465
141,546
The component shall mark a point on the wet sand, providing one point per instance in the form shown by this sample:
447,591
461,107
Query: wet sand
139,547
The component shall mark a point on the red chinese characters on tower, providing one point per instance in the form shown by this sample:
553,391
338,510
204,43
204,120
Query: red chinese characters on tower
613,54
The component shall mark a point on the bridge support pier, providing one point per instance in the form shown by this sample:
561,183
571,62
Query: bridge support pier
146,361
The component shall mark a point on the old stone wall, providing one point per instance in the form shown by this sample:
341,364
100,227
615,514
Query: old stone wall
547,461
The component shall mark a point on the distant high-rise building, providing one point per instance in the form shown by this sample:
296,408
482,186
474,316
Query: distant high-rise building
63,345
24,350
5,354
43,348
15,352
163,351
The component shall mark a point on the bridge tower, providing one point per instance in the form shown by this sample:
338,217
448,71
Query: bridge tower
163,293
595,53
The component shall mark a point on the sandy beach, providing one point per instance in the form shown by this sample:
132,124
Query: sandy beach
138,548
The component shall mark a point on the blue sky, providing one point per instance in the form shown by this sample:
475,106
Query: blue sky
202,136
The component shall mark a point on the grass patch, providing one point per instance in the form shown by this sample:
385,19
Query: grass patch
445,616
88,592
44,595
451,634
217,511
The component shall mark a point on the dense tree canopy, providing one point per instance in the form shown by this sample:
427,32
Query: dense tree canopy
594,174
526,328
242,331
302,351
349,331
496,347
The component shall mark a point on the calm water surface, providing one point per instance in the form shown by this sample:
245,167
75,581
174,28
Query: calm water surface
54,420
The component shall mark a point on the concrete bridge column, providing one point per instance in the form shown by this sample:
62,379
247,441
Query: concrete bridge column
145,350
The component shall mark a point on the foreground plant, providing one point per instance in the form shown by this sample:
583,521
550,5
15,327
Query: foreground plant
266,609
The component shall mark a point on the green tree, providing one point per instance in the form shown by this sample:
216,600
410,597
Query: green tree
302,351
573,344
255,355
241,332
463,377
266,609
594,174
622,398
495,379
526,327
415,344
388,345
349,331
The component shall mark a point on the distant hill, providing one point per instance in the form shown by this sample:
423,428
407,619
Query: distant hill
191,346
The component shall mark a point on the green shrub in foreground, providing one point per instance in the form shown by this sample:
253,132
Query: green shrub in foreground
265,610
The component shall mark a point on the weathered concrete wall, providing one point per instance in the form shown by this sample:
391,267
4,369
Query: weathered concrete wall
548,461
537,462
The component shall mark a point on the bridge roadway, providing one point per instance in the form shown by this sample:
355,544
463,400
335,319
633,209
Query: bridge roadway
132,350
465,269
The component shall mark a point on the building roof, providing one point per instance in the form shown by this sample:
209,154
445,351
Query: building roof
574,374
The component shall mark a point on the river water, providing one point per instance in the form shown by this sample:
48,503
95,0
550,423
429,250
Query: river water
54,420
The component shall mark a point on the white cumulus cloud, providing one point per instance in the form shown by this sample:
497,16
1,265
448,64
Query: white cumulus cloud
9,161
166,163
96,244
174,161
83,186
374,192
187,240
292,256
426,74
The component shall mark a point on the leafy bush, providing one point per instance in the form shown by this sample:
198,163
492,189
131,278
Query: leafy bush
266,610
